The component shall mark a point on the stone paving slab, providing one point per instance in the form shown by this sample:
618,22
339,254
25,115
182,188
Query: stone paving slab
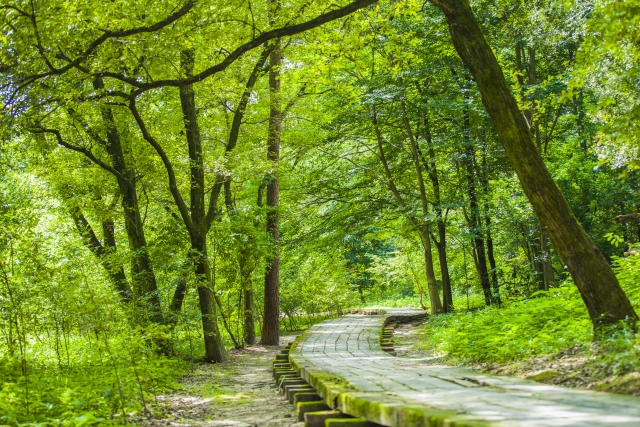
342,358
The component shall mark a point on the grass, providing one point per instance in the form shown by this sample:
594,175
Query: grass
545,324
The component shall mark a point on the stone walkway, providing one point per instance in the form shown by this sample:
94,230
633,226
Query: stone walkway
342,358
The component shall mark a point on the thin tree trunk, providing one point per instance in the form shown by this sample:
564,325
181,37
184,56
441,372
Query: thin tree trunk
605,300
249,318
425,235
104,253
441,243
469,162
271,319
495,286
547,267
546,273
419,226
143,278
195,220
214,348
179,294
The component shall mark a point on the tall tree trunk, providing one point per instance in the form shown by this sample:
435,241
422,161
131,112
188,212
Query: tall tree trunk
441,242
469,163
271,319
546,273
547,266
423,224
605,300
495,286
249,318
214,349
143,278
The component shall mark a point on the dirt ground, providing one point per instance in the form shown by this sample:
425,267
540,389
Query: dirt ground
571,368
237,393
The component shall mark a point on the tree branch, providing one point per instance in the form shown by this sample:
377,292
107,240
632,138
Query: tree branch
114,34
235,132
81,150
627,217
277,33
173,185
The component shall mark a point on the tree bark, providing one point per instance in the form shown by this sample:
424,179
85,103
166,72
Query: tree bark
424,223
495,286
605,300
249,318
143,278
179,294
627,217
470,167
271,319
214,348
441,242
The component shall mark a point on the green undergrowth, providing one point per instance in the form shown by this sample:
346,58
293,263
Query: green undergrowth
402,302
546,323
88,383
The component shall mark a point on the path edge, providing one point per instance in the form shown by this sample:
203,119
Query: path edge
378,407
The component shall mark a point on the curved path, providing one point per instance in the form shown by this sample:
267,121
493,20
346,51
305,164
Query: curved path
343,360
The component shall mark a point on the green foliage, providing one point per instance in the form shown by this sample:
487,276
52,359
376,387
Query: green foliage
544,324
608,63
74,353
88,388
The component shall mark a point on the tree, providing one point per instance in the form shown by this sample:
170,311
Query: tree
271,317
606,302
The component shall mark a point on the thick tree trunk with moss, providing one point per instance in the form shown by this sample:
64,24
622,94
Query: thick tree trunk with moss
598,286
271,318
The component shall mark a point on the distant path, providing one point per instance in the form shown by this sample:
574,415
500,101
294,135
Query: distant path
343,360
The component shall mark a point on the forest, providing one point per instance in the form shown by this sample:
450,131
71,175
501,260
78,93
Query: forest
183,178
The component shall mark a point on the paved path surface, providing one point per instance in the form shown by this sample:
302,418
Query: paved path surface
399,392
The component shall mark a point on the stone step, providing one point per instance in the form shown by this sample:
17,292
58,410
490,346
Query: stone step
291,381
304,407
349,422
279,374
291,390
317,419
310,396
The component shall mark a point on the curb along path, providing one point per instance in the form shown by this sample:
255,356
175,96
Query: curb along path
343,362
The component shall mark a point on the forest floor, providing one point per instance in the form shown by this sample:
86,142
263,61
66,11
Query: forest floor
573,367
237,393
